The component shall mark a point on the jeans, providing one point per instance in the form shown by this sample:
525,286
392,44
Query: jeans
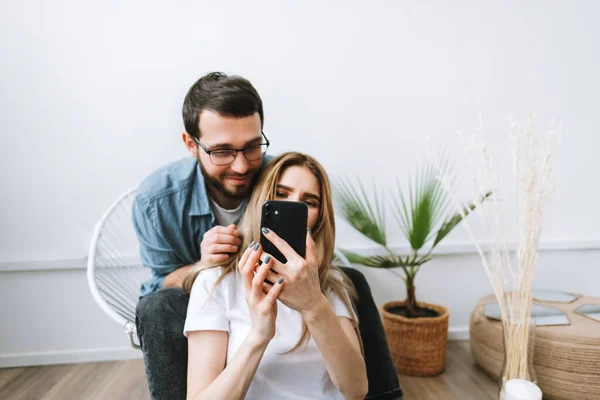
160,318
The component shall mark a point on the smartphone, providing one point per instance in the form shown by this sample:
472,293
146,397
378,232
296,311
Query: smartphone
288,219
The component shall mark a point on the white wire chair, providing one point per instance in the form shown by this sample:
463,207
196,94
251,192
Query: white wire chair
114,270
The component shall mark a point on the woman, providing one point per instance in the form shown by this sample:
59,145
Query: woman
245,344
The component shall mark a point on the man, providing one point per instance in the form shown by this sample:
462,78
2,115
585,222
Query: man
185,214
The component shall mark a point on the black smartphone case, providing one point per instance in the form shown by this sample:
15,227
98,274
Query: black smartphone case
288,219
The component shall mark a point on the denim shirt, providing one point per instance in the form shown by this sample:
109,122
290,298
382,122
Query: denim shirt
171,213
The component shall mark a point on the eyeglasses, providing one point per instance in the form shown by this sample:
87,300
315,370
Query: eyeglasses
223,157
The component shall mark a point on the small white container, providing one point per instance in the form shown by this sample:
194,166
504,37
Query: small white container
521,389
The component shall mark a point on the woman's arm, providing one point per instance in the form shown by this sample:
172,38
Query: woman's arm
337,341
208,378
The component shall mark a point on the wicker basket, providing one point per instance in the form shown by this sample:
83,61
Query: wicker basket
566,357
418,345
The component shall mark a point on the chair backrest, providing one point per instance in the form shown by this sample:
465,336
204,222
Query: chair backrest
115,271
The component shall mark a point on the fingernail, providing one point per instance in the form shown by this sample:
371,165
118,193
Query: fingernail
251,243
267,259
310,232
265,230
257,246
280,281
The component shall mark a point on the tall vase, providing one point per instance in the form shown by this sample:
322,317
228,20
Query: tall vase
519,346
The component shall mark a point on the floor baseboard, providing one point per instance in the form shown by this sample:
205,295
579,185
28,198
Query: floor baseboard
11,360
68,356
458,333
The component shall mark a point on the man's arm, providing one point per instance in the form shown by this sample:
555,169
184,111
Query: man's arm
156,252
176,278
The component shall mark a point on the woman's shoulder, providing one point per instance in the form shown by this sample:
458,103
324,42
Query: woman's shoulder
336,274
338,283
208,274
208,277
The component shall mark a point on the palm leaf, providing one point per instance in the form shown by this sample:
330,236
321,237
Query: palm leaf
353,204
354,258
422,212
385,262
440,198
455,219
402,215
427,204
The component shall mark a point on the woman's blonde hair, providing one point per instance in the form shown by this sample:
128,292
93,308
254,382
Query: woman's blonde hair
323,233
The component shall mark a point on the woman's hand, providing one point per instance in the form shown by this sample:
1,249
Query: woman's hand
301,275
334,336
262,305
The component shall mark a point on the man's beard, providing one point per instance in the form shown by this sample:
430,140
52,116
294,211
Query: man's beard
217,184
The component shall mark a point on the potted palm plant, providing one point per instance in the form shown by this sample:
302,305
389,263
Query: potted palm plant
416,331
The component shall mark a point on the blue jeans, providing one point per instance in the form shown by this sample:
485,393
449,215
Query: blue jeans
160,318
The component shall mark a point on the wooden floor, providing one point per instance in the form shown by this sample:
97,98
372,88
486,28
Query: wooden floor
462,380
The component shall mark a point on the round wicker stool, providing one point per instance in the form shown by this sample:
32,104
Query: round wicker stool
566,358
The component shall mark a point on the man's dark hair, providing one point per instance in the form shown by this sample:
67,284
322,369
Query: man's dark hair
228,96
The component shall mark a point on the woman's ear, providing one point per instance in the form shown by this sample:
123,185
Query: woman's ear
190,143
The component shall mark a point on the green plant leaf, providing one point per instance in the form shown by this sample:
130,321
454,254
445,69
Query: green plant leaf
426,206
455,219
386,261
354,258
353,204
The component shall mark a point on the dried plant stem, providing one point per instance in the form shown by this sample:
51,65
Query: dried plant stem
512,283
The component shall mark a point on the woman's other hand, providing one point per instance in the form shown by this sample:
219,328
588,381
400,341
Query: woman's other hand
262,305
301,275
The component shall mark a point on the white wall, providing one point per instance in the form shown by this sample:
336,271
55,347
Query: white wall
90,100
49,316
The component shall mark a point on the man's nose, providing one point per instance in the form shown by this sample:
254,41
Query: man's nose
240,164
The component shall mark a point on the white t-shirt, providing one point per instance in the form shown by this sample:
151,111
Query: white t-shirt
300,374
227,217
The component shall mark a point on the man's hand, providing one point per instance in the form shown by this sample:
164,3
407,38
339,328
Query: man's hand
218,243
